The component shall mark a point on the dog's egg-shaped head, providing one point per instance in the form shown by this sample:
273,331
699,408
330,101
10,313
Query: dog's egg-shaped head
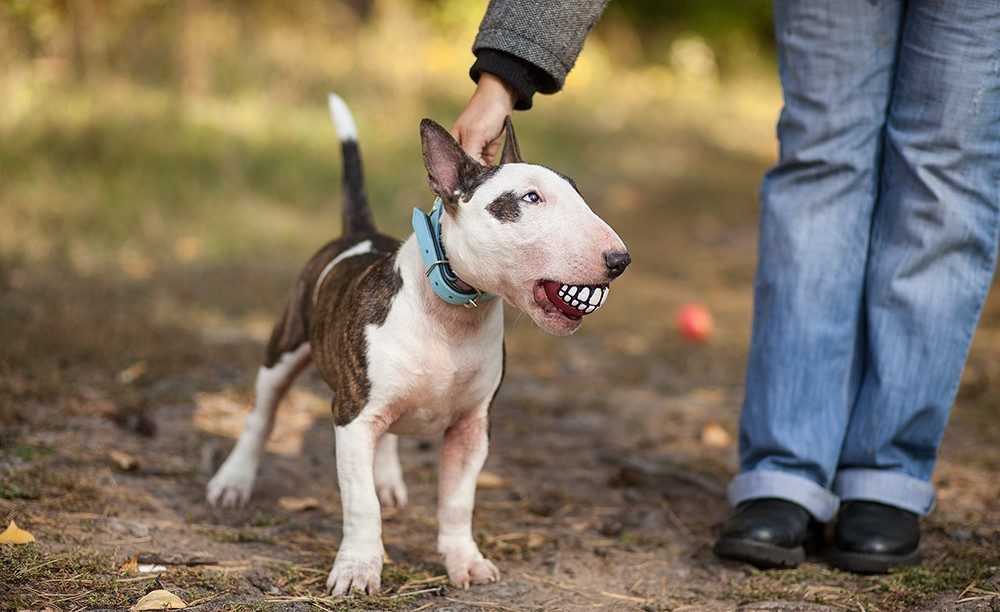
522,231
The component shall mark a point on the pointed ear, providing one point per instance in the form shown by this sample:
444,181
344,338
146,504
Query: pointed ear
511,151
449,169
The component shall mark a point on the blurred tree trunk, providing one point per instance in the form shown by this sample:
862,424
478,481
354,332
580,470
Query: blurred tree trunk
79,13
194,74
361,8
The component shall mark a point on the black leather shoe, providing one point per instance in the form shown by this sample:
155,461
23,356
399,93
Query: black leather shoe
873,538
768,533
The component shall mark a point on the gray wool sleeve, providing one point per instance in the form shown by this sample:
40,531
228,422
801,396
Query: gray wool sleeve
546,34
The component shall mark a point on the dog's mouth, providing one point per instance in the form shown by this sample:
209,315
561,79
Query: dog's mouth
572,301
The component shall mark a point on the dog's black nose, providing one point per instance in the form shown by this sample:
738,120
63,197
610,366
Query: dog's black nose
616,261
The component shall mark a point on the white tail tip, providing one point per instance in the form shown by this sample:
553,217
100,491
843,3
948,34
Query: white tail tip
342,118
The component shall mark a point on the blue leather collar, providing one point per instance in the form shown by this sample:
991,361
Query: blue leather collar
443,279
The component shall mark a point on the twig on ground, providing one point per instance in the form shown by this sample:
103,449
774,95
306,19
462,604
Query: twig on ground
676,520
322,607
971,586
27,570
638,600
415,593
482,604
412,584
982,594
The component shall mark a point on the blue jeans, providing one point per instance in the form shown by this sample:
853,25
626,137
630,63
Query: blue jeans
878,240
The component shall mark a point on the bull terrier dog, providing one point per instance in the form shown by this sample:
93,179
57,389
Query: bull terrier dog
409,336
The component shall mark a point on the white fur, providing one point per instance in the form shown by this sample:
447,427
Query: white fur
234,481
559,239
428,369
358,566
343,120
389,483
463,453
432,367
359,249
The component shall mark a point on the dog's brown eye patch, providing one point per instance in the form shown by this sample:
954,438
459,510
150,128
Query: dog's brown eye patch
506,208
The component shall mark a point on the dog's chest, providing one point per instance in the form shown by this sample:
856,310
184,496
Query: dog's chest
427,378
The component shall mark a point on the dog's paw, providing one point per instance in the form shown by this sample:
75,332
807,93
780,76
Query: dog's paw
467,567
352,574
232,485
392,493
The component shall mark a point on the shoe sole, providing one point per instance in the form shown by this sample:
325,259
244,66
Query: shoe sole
764,556
870,563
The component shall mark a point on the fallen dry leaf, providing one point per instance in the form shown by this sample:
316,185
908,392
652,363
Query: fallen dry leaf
15,535
716,436
489,480
298,504
123,460
130,567
159,599
187,248
132,373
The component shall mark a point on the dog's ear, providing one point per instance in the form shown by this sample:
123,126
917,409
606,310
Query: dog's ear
449,169
511,151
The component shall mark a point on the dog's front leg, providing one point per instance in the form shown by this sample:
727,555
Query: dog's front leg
358,566
466,444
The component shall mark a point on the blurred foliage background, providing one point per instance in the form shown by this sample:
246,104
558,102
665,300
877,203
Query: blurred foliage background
140,130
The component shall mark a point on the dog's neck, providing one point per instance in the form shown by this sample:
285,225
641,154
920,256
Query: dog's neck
449,319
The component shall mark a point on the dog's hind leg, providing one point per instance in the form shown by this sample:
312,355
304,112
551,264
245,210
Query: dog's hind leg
288,355
234,481
388,473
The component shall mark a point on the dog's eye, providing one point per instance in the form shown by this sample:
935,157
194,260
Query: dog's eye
532,197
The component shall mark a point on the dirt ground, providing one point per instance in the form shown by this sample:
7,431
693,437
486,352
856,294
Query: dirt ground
611,449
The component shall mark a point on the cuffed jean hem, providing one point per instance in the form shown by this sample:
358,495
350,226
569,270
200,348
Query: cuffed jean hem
757,484
885,487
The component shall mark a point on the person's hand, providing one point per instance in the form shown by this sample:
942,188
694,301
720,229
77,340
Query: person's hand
479,127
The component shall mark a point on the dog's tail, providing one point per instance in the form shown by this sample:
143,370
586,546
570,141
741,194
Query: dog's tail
357,216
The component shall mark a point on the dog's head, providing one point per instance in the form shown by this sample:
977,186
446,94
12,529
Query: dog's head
522,232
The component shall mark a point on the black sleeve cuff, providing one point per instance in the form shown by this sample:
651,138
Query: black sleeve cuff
523,77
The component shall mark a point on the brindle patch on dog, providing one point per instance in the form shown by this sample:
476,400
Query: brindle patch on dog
506,208
356,294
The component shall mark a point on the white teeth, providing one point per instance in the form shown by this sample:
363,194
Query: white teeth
583,298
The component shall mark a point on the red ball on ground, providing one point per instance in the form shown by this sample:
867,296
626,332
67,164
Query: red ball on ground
694,323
